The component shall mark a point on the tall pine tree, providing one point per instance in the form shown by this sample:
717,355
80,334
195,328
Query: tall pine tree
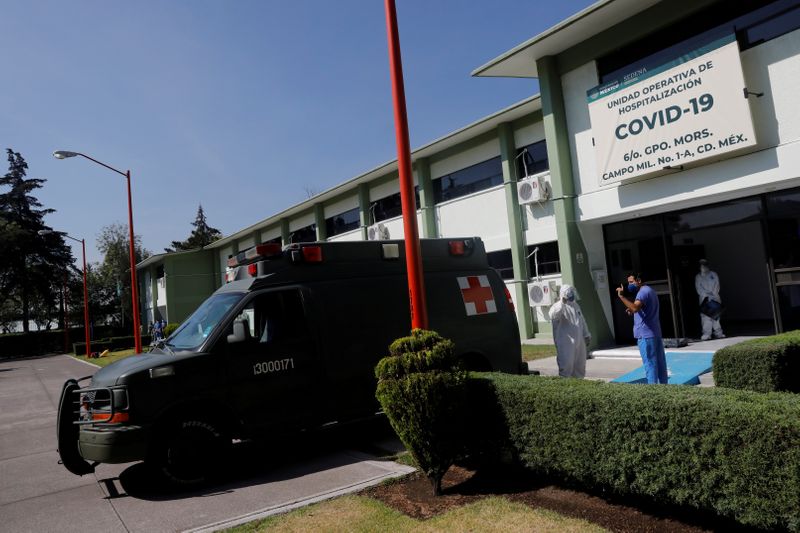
31,265
202,235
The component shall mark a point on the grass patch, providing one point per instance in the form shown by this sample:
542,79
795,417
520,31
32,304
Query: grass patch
531,352
358,513
108,359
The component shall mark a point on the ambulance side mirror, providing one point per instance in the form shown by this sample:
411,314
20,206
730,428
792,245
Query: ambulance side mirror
241,331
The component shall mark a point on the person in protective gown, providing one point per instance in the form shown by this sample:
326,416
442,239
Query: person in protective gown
706,283
570,333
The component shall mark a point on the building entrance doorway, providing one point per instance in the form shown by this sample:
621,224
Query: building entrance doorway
666,249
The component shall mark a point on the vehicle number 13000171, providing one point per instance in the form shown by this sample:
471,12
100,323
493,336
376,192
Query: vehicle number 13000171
273,366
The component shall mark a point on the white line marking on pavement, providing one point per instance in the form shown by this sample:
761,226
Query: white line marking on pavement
82,361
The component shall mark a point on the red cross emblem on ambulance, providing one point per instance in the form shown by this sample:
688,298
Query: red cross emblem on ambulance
477,294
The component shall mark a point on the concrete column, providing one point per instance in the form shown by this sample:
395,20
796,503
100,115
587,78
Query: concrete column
319,220
422,169
257,237
571,249
285,231
154,293
527,326
363,209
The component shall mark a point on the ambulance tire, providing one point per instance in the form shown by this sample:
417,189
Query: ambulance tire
190,451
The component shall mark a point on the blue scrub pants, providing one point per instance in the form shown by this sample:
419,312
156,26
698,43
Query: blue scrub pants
654,359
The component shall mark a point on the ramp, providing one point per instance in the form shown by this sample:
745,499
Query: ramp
683,368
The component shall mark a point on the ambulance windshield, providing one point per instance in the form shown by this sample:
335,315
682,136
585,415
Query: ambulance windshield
194,330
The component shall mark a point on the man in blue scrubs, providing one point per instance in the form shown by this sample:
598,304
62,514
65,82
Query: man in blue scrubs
646,327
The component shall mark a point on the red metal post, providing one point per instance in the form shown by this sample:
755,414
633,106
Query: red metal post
134,287
86,325
416,283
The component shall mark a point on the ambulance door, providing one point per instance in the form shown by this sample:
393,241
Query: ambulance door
272,371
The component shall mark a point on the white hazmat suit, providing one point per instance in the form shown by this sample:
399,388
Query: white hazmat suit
570,333
706,283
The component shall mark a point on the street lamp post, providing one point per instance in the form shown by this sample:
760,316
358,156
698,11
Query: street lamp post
62,154
85,290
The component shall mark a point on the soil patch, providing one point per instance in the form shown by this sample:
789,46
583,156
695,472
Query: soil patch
413,496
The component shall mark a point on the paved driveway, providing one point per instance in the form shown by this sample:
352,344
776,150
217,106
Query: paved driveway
38,494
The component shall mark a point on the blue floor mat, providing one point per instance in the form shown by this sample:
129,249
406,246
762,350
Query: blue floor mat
683,368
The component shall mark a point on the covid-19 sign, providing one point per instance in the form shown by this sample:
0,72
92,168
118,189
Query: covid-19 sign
690,109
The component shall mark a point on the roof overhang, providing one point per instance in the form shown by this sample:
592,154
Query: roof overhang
520,61
514,112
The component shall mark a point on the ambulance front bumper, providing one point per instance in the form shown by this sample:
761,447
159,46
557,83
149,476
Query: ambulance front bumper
113,443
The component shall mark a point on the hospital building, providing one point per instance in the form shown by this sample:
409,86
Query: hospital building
664,132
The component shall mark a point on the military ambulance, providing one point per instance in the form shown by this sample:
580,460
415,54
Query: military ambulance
289,343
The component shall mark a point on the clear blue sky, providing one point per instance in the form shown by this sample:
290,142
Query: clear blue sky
236,105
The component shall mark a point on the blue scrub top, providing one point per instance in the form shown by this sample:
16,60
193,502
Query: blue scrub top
646,323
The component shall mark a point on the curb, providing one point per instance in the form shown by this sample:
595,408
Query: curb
394,470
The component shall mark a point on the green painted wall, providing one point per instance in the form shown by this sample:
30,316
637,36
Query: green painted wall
189,282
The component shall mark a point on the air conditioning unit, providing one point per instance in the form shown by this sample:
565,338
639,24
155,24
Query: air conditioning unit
532,189
541,293
378,232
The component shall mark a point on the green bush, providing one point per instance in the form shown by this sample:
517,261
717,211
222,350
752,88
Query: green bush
768,364
113,343
79,348
172,326
736,453
421,389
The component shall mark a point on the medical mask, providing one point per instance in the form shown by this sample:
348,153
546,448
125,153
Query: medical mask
633,288
571,297
704,270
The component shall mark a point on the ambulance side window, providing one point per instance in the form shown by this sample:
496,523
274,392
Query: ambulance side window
275,317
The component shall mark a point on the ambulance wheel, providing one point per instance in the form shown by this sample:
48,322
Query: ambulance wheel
190,452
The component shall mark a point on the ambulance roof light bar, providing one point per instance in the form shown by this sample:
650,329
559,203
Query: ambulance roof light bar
261,251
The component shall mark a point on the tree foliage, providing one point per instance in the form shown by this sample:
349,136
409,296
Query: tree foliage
202,235
110,285
32,266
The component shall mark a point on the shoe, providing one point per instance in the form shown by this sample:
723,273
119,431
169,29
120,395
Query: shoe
705,338
722,336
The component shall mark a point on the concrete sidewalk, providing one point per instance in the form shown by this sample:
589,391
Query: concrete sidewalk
610,363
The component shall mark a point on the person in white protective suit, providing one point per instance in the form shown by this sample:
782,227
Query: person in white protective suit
570,333
706,283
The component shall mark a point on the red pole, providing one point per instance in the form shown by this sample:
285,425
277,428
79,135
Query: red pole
134,289
416,284
86,304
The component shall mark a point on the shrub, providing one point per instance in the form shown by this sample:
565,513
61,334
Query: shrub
422,391
736,453
113,343
172,326
767,364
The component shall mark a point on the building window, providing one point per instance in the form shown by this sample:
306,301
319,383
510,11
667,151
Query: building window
501,261
306,234
547,256
276,240
389,207
343,222
532,159
469,180
752,21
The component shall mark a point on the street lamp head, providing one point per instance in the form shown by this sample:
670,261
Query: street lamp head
63,154
45,231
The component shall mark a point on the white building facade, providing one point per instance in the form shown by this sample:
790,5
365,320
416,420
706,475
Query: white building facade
665,132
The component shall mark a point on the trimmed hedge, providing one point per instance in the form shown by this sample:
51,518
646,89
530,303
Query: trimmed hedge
49,341
424,367
113,343
768,364
736,453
